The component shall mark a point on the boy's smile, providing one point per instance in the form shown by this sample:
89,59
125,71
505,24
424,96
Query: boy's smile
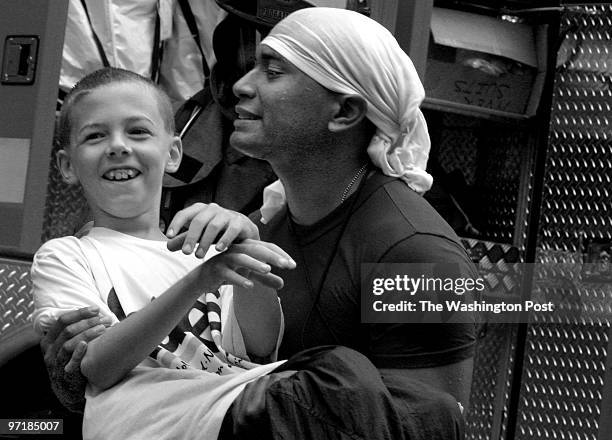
119,151
121,174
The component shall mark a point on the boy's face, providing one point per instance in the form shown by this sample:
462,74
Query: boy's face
119,151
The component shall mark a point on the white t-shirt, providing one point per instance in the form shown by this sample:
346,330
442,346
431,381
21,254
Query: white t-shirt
184,388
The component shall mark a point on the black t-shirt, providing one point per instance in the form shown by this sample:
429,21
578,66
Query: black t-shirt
384,222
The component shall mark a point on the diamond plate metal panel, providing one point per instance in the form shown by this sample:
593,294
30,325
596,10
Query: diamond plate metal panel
564,363
65,208
578,187
16,304
487,416
458,145
563,381
491,158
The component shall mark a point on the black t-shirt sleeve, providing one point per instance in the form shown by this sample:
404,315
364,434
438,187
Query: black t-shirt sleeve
423,345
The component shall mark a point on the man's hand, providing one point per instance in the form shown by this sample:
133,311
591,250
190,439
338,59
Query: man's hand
208,224
250,259
64,346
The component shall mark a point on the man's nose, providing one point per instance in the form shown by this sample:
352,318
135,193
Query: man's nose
244,86
117,146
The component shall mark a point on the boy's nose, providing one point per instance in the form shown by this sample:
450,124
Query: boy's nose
117,147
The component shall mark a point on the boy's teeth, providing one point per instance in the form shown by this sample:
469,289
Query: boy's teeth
121,174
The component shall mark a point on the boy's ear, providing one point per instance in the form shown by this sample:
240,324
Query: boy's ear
351,111
175,154
65,167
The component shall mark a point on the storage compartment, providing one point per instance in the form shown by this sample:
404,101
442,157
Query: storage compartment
481,63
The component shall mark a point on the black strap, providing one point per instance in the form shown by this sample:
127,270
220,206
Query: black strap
95,37
193,28
61,95
156,55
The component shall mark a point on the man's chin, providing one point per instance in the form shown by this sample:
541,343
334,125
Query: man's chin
241,143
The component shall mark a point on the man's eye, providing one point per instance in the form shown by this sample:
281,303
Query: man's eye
273,73
271,68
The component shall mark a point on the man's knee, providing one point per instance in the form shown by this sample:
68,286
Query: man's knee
446,415
341,358
439,413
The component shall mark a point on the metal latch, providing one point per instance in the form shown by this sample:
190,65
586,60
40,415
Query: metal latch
20,56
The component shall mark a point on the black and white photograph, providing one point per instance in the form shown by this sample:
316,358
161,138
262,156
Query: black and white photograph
306,219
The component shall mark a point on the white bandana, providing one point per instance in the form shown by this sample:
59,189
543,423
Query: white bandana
348,53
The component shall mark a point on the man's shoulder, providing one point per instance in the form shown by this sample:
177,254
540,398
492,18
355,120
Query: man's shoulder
390,206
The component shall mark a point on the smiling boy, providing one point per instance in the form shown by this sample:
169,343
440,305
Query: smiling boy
117,138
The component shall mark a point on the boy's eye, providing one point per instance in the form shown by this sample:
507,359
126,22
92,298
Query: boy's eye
139,131
93,136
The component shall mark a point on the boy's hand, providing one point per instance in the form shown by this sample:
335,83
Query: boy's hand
250,259
205,224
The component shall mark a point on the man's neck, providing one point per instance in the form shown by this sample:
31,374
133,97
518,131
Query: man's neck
316,189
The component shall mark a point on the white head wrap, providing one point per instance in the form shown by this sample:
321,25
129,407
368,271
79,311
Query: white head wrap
349,53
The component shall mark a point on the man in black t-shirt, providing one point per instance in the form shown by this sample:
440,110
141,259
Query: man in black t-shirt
333,105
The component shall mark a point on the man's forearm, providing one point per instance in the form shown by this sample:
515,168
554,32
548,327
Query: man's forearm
64,346
258,314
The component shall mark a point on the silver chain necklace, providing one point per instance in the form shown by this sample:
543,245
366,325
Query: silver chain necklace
357,175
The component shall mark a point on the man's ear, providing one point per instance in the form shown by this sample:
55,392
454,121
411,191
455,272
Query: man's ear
351,111
64,163
175,154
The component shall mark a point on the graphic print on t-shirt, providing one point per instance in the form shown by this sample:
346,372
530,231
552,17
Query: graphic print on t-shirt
195,342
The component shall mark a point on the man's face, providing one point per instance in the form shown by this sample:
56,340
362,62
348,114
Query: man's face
281,111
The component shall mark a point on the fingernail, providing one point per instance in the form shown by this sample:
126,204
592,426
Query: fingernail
221,246
200,253
187,248
93,309
106,321
248,284
170,233
99,328
287,263
265,268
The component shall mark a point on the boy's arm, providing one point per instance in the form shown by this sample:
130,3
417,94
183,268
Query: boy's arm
111,356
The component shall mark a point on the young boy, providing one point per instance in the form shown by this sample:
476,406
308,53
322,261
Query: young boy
175,363
117,135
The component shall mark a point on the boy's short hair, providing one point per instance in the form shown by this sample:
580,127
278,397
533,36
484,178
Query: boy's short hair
103,77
